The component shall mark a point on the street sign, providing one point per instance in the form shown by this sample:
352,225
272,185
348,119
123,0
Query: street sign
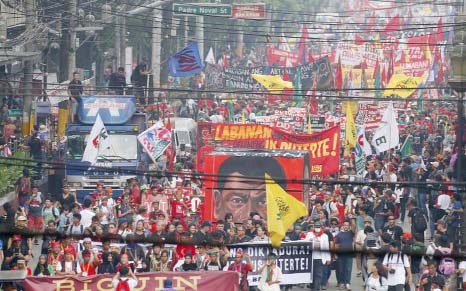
14,113
202,9
248,11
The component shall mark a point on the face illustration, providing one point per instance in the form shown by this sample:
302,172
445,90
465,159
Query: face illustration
240,196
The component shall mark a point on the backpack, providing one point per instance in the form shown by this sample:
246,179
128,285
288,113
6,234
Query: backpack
24,185
447,266
419,222
122,285
370,242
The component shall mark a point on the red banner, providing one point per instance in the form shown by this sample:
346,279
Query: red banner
278,56
323,147
189,281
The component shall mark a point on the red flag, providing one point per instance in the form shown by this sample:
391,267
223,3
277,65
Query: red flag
439,30
391,66
376,69
339,76
383,78
313,103
393,25
371,23
169,123
358,40
287,92
302,48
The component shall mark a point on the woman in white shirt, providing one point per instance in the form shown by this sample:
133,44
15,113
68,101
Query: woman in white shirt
376,282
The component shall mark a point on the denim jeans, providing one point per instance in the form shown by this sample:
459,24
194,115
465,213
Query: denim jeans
344,268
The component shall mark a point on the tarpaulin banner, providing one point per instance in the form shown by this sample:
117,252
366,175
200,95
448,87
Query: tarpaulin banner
324,146
155,141
240,78
293,258
290,120
189,281
277,56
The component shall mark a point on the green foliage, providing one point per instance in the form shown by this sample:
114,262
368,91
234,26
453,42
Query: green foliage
12,169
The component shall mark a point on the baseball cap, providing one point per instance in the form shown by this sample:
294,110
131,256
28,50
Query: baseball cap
21,218
17,237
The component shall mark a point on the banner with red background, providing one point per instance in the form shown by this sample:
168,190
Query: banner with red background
189,281
323,147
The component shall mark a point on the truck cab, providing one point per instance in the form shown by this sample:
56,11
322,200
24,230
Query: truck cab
114,165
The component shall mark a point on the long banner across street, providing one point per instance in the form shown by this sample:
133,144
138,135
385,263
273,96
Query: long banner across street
324,146
187,281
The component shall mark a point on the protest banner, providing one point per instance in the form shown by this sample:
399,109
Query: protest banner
293,258
324,146
189,281
277,56
239,78
155,141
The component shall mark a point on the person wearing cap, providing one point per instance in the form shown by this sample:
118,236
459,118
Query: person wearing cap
69,266
43,268
394,230
16,251
87,246
398,267
243,265
271,275
320,254
124,280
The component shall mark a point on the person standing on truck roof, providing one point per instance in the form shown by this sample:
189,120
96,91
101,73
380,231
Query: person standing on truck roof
117,83
75,91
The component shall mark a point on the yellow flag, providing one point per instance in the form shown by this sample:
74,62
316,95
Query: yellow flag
273,83
350,129
282,211
403,85
309,126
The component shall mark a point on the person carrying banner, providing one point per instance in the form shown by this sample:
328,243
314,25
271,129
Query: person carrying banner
271,275
124,280
242,269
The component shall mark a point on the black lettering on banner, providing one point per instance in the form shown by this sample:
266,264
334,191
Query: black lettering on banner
380,140
294,259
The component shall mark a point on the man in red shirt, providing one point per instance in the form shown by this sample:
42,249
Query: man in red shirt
88,267
98,194
242,268
178,204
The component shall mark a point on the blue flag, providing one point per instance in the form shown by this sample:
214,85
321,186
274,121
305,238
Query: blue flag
186,62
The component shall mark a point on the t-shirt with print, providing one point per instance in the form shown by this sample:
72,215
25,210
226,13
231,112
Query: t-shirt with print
397,262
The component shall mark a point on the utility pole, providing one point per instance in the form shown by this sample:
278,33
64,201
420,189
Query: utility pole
28,70
200,35
123,37
117,40
73,6
156,45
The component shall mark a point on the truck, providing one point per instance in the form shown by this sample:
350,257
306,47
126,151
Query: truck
234,180
122,161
